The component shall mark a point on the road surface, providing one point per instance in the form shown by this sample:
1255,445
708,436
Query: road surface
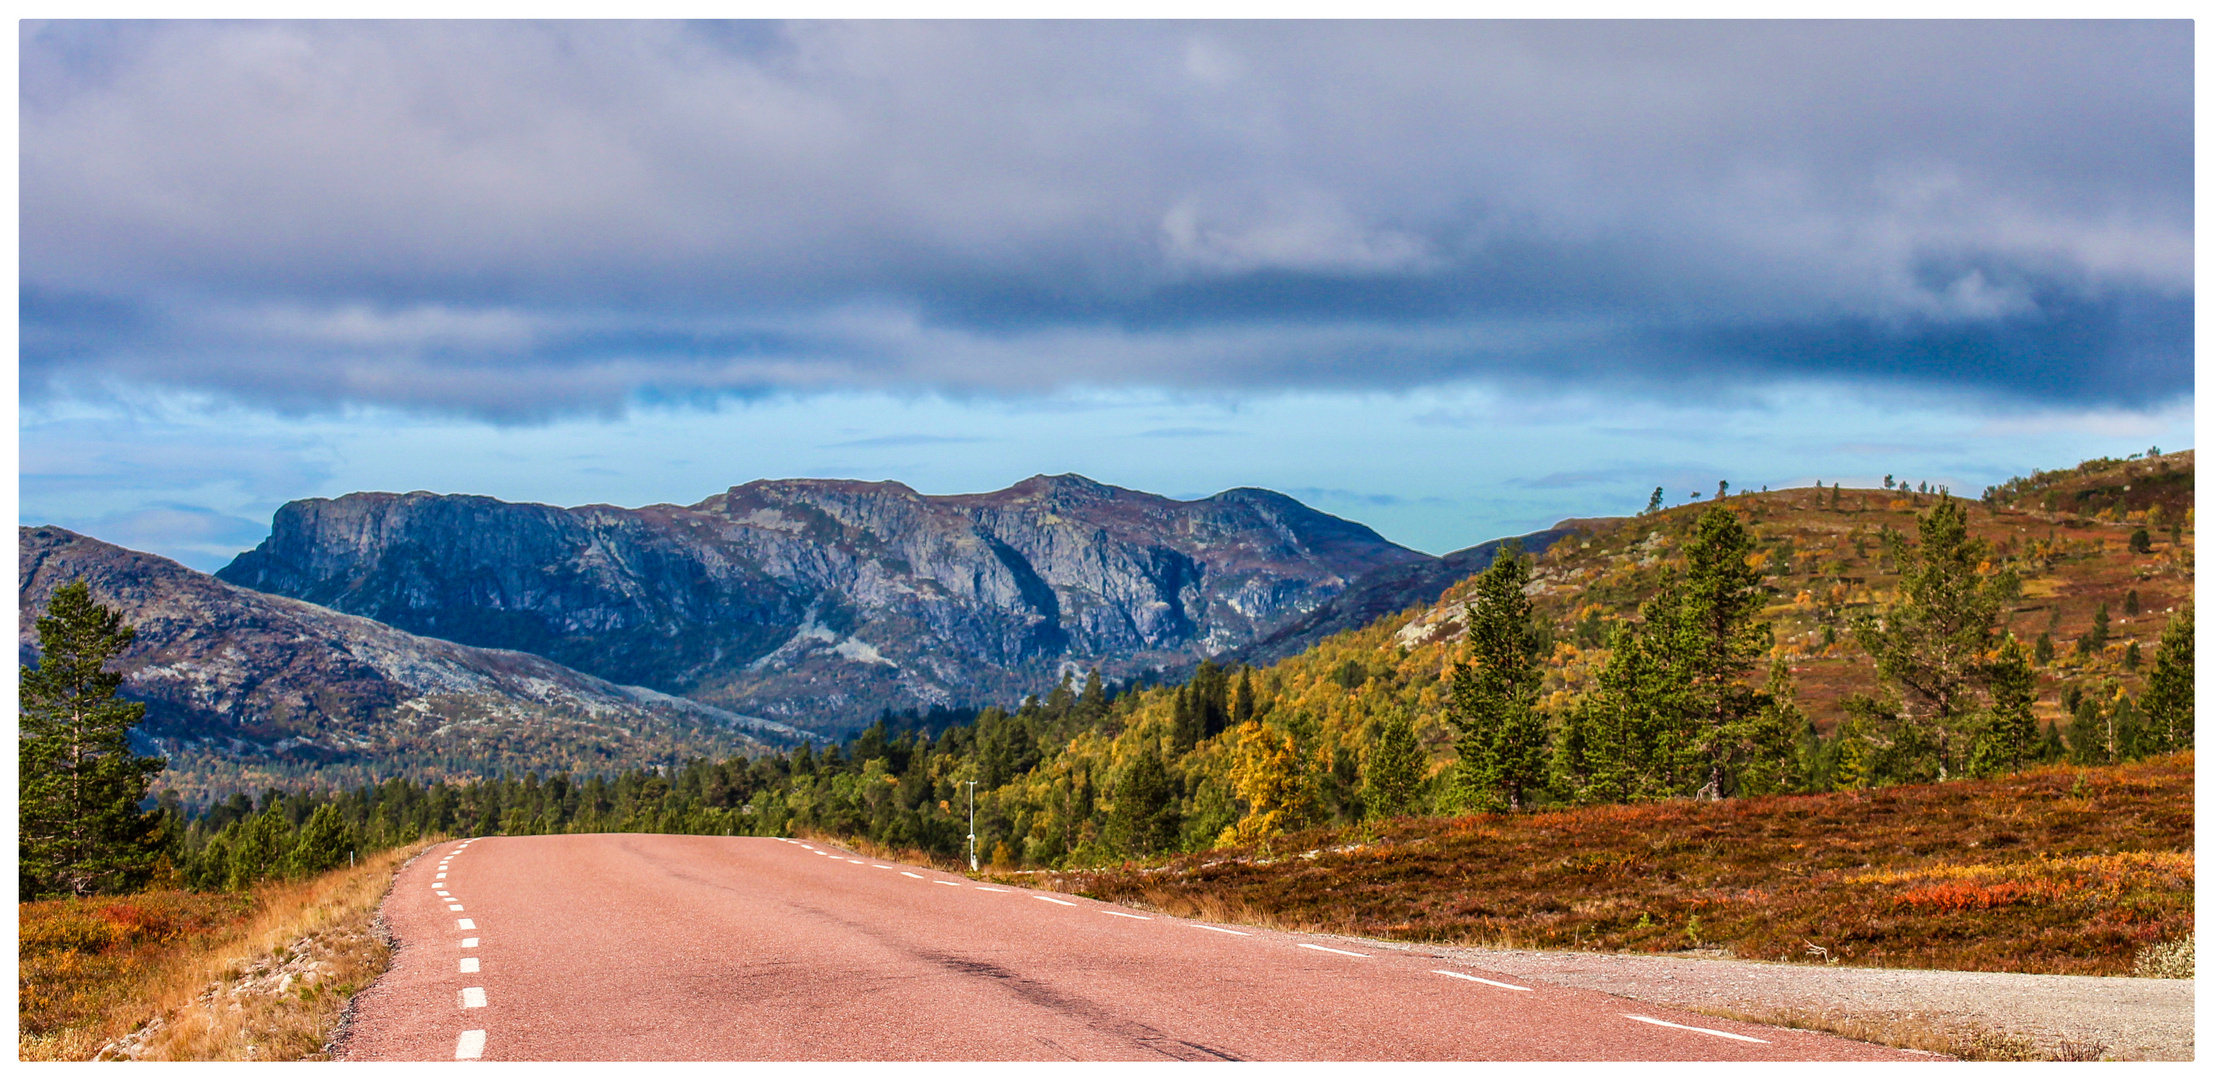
643,947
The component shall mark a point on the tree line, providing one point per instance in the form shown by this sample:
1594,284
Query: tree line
1353,729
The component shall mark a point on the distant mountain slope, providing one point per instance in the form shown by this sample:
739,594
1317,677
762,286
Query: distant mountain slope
1387,592
825,601
241,684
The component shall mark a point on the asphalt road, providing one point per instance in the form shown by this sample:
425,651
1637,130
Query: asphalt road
641,947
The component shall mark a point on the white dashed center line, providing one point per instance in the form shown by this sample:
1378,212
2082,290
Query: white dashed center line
1325,948
1050,900
441,873
1126,915
917,877
472,997
1486,982
880,866
954,884
471,1046
468,942
1218,930
453,907
1700,1030
465,924
988,888
468,965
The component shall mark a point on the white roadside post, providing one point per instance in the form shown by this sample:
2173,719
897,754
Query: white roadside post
971,826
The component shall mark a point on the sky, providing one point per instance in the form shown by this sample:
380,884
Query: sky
1453,280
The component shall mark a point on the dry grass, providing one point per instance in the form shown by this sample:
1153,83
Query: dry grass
2056,871
184,977
1966,1042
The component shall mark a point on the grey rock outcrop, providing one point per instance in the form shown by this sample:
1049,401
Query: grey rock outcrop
242,686
822,602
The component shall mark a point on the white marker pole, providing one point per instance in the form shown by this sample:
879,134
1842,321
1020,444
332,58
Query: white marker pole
972,826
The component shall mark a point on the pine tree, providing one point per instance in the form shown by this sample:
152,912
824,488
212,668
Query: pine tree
80,830
1708,628
2167,715
2044,648
326,840
1672,714
2086,734
1762,751
1501,738
1933,641
1652,505
1396,766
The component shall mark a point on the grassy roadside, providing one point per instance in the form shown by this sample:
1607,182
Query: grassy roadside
2061,870
179,976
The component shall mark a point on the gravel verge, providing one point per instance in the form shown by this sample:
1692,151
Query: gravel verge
1973,1013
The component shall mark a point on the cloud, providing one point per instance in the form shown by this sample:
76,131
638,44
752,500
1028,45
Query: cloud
1187,433
905,440
523,220
1340,496
197,536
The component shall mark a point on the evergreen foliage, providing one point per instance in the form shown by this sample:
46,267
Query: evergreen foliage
1500,737
1933,642
2168,718
80,828
1396,767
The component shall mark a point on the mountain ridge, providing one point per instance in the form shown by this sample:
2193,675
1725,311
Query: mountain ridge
822,602
239,682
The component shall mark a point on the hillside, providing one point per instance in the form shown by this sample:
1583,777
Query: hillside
244,690
2065,532
1073,779
2056,871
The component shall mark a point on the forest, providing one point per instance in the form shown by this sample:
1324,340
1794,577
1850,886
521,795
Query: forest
1685,690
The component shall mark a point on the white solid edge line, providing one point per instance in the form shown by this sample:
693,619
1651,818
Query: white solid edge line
1700,1030
917,877
472,997
470,1047
1125,915
1050,900
1486,982
1218,930
464,924
988,888
1325,948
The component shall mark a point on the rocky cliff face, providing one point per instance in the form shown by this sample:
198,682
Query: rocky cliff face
241,686
822,602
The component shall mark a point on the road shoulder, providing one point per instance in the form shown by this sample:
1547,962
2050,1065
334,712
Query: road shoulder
1974,1013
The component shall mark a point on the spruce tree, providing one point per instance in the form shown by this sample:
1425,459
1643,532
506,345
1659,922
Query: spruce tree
1501,738
1145,820
2007,741
2167,715
80,830
1396,766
